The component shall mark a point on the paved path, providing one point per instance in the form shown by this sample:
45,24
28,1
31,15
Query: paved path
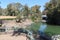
9,37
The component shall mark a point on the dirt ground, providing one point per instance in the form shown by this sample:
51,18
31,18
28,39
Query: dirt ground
10,37
11,23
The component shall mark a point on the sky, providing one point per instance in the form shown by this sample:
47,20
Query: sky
30,3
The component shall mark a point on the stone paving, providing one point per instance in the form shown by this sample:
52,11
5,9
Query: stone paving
9,37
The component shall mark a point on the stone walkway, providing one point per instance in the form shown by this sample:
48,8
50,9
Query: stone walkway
9,37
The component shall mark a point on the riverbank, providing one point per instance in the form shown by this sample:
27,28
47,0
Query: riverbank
50,29
13,23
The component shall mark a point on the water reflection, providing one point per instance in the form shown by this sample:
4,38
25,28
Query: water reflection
43,27
41,32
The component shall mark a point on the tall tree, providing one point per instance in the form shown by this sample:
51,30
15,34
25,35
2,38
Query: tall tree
14,9
35,8
5,12
36,12
53,8
0,10
26,10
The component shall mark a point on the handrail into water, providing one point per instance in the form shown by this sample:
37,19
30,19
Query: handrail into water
30,35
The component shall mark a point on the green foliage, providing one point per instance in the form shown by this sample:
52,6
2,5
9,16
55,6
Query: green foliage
53,12
13,9
33,18
26,11
36,14
19,10
0,11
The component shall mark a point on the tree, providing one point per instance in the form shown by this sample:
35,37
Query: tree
13,9
35,8
26,10
36,12
53,12
5,12
0,10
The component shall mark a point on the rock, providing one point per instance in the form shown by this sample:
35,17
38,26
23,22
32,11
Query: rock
56,37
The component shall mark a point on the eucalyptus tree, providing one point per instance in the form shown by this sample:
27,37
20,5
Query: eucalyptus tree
0,10
26,10
53,8
13,9
36,12
24,13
